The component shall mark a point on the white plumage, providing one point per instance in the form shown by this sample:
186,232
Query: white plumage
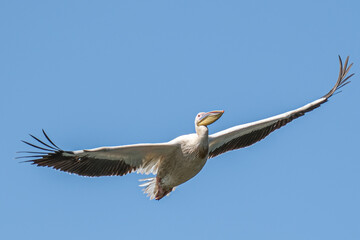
174,162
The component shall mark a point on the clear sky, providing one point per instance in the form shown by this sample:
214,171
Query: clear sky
104,73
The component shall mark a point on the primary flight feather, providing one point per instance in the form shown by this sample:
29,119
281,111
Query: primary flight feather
174,162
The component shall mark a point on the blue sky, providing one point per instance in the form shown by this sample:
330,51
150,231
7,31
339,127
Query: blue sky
97,73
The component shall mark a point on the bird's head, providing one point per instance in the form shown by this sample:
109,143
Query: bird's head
207,118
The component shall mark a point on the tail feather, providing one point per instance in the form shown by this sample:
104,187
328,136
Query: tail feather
150,187
153,190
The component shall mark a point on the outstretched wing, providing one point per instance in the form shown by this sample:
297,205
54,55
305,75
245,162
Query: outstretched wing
104,161
247,134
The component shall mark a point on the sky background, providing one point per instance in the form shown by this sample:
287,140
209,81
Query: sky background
104,73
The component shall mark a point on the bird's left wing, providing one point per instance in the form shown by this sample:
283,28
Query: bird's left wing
104,161
247,134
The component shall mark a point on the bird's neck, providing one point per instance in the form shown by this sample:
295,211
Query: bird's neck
202,131
202,141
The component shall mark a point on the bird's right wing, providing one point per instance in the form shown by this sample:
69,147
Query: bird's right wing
104,161
247,134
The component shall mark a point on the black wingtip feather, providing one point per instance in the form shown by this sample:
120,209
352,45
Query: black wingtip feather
42,142
342,79
32,156
49,150
68,161
32,152
49,139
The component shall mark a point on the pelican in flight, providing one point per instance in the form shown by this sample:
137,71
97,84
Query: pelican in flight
176,161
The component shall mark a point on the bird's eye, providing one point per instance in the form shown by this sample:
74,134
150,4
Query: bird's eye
198,115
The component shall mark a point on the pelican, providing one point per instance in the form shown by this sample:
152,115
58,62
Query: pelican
175,162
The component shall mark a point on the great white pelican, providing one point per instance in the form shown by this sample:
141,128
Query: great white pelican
176,161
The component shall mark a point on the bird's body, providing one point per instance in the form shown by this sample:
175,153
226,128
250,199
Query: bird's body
176,161
190,157
186,157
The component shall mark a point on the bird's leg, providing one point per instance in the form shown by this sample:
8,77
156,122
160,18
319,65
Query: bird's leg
161,191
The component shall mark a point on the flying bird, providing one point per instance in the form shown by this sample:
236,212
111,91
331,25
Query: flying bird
173,162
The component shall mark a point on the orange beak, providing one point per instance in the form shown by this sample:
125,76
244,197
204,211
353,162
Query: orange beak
210,117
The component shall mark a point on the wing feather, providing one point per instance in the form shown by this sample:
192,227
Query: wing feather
105,161
247,134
